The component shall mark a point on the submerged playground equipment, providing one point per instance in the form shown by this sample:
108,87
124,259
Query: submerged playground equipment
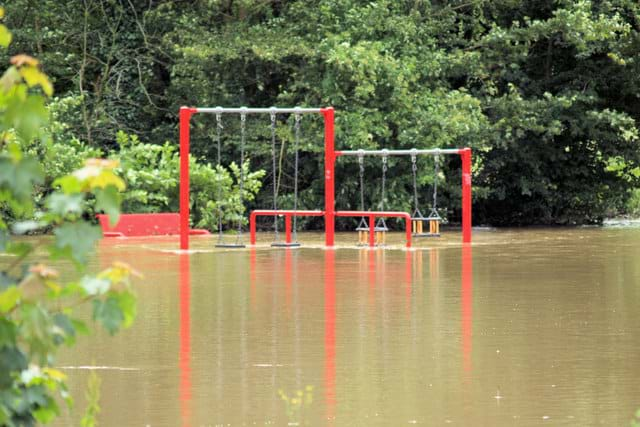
370,231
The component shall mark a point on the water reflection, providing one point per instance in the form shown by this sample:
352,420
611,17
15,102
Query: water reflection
466,306
385,337
185,339
330,334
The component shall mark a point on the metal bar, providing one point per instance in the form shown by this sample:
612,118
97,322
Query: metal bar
329,177
271,212
238,110
466,195
433,152
185,116
377,214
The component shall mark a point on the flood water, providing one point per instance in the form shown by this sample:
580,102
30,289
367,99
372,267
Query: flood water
524,327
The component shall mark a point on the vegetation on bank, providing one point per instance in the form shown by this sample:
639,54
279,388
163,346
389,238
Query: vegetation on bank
38,304
544,91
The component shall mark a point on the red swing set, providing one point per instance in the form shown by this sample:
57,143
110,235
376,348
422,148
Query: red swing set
370,232
330,156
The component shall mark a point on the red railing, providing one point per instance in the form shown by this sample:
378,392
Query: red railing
287,221
372,216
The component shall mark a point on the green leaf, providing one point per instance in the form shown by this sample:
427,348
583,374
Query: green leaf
80,327
64,204
34,77
108,200
45,414
9,299
19,177
108,313
5,36
75,240
66,332
12,360
69,184
127,303
27,117
7,333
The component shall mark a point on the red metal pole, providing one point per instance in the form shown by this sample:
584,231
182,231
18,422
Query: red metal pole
408,231
372,231
329,178
287,228
465,156
252,228
185,116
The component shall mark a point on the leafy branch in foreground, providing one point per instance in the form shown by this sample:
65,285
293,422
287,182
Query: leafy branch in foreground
37,307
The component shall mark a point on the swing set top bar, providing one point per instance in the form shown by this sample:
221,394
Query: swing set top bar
411,152
240,110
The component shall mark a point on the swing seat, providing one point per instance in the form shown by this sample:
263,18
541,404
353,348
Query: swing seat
285,245
230,245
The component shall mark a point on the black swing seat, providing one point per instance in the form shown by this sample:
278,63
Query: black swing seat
230,245
285,245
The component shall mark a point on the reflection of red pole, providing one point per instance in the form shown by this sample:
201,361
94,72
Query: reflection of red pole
185,340
465,156
408,277
288,276
330,334
467,306
252,278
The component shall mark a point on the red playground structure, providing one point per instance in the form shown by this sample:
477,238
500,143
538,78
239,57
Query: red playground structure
330,156
372,228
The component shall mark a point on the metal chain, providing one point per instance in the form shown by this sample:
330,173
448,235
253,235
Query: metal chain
381,222
384,180
274,172
243,125
435,184
298,119
219,128
361,164
414,171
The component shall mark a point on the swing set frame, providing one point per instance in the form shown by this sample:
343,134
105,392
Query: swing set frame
330,157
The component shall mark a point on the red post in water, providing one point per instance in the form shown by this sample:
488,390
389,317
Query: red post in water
329,176
252,228
465,156
408,231
372,231
287,228
185,117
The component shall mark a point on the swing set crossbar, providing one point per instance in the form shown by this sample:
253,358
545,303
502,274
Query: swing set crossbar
410,152
245,110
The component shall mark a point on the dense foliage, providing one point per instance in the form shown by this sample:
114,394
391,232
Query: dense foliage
544,91
38,306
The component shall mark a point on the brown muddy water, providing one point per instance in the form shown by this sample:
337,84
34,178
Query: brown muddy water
524,327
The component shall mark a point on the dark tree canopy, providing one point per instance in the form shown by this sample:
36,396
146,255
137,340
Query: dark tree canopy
545,92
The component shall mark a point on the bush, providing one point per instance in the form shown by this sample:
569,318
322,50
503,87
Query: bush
152,175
